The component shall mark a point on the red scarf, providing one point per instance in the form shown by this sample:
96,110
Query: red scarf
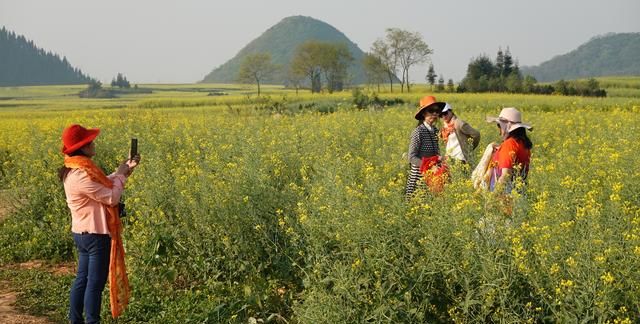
119,291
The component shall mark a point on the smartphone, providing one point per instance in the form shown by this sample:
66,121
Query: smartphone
133,151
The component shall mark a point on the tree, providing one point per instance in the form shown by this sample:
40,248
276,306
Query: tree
120,81
314,59
408,49
374,68
431,76
513,83
294,79
450,86
382,50
440,86
508,63
256,68
562,87
335,59
529,84
95,90
481,66
94,86
500,62
306,63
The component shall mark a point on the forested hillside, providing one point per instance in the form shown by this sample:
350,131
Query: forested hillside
23,63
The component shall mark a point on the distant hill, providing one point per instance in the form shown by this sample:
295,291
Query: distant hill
281,41
607,55
23,63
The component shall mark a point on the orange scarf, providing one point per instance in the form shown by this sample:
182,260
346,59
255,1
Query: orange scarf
119,291
447,129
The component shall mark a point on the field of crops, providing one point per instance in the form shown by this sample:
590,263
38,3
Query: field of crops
290,208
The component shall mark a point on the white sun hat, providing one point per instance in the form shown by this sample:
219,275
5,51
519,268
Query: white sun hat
447,107
511,117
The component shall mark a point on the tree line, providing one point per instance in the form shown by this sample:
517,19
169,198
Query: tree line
324,65
23,63
504,75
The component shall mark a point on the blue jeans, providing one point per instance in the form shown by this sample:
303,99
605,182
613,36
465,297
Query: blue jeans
93,268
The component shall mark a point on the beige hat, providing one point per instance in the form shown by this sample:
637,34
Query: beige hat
511,117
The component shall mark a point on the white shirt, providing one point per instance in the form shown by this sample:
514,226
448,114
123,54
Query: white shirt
453,147
428,126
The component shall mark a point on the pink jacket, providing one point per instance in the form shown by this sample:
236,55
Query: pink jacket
87,199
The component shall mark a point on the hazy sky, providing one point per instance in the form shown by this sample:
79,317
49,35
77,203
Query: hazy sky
181,41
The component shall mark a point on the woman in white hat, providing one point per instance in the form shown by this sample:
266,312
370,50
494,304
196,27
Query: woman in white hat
512,157
461,139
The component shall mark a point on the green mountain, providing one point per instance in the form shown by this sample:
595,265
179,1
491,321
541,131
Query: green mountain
23,63
281,41
607,55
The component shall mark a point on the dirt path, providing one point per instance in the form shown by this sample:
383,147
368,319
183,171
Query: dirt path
9,314
5,207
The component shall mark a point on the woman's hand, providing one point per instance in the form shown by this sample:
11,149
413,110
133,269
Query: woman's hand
126,167
132,163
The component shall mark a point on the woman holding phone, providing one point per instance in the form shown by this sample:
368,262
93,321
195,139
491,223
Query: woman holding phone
93,199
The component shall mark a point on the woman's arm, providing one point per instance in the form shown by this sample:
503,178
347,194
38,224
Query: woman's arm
414,148
505,177
100,193
471,132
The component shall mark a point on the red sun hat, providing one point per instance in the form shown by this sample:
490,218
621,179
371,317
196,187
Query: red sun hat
75,136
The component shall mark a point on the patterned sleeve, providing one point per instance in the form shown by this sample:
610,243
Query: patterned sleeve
414,148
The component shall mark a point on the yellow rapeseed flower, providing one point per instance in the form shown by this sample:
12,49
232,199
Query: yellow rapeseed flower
607,278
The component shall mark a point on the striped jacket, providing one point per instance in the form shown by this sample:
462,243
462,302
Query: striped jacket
424,143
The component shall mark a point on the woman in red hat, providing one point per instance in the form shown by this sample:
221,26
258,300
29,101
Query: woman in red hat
93,199
424,140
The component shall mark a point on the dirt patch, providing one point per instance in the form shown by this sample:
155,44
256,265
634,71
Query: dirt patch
60,269
8,313
9,203
5,207
9,296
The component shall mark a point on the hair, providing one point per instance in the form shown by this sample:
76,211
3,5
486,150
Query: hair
64,171
420,118
520,135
